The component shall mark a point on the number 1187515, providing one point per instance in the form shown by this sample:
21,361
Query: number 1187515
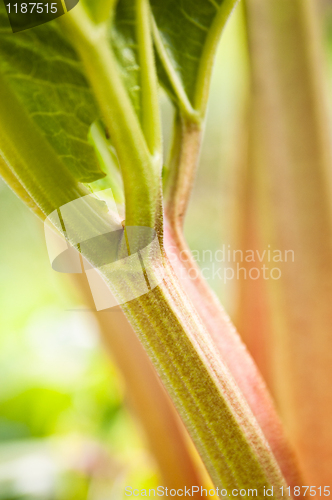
306,491
29,8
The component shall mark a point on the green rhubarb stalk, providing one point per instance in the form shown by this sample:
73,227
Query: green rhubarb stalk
223,428
217,415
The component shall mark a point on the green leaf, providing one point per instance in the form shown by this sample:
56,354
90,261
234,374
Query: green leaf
43,71
186,34
28,162
123,36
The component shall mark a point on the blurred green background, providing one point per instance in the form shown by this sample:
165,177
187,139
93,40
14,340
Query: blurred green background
65,432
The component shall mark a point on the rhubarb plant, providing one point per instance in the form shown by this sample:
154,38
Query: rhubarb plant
79,116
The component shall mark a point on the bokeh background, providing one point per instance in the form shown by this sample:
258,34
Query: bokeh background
65,430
